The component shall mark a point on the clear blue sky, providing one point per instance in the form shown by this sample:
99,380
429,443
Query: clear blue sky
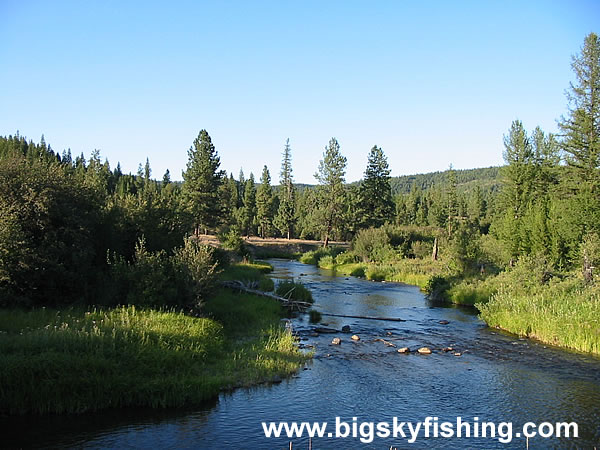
432,83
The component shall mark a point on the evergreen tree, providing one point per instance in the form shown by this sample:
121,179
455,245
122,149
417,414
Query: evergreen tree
248,211
264,204
202,180
375,195
286,214
166,178
330,175
229,198
452,204
581,130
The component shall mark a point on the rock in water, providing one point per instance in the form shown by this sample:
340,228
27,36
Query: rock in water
346,329
443,322
355,337
447,349
424,351
404,350
336,341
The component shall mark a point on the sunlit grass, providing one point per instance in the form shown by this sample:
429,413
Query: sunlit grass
557,314
75,360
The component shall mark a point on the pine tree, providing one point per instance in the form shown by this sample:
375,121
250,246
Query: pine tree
332,169
264,204
375,195
248,212
166,178
286,214
201,184
581,133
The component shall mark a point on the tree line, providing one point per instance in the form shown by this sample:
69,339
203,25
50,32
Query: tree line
65,220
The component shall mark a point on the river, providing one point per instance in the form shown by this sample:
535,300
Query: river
497,378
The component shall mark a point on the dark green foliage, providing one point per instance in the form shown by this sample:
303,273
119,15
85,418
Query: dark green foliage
375,194
291,289
331,192
581,129
372,244
247,213
182,280
202,183
314,316
286,213
47,228
231,240
264,204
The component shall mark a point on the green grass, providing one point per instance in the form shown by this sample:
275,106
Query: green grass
410,271
564,314
250,273
76,360
294,290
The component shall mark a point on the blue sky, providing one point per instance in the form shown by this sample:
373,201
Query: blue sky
432,83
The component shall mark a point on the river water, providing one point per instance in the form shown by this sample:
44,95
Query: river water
497,378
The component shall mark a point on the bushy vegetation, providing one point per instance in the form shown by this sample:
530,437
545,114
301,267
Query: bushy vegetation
250,273
294,290
154,279
76,360
564,313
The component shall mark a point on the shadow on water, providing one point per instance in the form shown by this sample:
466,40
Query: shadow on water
497,377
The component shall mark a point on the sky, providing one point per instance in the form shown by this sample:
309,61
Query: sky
432,83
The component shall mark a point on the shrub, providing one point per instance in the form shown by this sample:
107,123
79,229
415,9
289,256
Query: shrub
376,273
436,287
347,257
294,290
154,279
232,240
421,250
327,262
372,244
314,316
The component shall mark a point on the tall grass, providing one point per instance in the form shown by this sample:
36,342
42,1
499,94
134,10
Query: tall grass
253,272
563,314
76,360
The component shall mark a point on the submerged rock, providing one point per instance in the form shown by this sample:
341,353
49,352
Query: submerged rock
444,322
336,341
346,329
325,330
447,349
424,351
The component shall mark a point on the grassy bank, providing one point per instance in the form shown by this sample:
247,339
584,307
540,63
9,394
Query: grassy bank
76,360
413,271
563,313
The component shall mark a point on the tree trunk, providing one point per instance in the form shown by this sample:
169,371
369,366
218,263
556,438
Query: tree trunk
434,254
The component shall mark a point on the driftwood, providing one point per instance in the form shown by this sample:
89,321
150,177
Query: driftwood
287,302
389,319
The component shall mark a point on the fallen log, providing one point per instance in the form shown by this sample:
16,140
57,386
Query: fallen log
292,304
389,319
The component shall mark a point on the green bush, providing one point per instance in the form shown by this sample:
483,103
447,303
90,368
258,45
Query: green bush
314,316
232,240
314,256
372,244
436,287
294,290
327,262
347,257
154,279
376,273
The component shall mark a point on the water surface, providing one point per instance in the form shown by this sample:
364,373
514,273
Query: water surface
498,378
